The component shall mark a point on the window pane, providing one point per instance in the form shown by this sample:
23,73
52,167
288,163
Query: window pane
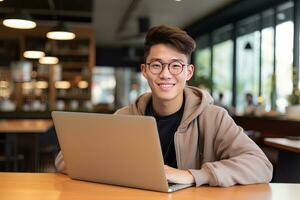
103,87
247,68
247,61
267,65
222,70
284,55
202,67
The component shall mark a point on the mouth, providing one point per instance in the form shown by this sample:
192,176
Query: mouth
165,86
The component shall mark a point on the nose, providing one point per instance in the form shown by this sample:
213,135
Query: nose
165,73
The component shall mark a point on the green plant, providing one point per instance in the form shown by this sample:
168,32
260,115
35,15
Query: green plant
201,81
294,98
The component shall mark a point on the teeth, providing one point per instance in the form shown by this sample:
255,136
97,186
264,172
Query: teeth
166,85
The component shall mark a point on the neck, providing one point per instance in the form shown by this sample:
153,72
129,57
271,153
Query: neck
165,108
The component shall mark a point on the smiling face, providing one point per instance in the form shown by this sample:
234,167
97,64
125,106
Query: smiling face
165,86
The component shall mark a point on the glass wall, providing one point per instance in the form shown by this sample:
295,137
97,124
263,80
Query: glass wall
103,86
247,69
267,57
263,54
284,54
222,64
202,62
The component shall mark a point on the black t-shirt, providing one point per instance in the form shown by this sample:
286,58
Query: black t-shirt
167,126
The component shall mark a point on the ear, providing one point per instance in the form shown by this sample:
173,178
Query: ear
190,71
143,70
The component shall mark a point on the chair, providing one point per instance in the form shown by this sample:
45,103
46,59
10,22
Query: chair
10,159
48,149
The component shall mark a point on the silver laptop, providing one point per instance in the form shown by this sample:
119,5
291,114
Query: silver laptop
120,150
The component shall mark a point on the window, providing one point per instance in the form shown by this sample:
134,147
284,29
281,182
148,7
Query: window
103,87
248,42
284,54
202,68
267,57
222,64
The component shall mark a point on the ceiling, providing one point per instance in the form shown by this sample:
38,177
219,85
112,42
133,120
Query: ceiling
116,21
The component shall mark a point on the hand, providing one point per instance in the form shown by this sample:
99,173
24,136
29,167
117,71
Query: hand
178,176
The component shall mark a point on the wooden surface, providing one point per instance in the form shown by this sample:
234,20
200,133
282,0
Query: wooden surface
16,186
25,125
269,126
283,144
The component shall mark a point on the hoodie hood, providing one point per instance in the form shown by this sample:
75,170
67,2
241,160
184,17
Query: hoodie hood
196,100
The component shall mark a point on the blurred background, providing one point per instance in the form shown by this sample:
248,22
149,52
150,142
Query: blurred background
85,56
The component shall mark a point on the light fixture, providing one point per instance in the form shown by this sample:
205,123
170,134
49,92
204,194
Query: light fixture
33,54
248,46
83,84
62,84
61,32
48,60
27,86
19,20
4,84
41,84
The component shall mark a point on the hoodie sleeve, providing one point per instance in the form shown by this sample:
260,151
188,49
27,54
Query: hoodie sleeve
240,160
60,164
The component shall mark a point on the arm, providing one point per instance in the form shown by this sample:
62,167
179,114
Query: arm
60,164
239,159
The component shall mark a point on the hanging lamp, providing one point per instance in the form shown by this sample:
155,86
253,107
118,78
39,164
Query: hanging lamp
48,60
19,20
61,32
33,54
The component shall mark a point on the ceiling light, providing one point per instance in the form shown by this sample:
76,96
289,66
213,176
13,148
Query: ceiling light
27,86
19,20
61,32
83,84
4,84
62,84
48,60
41,84
32,54
248,46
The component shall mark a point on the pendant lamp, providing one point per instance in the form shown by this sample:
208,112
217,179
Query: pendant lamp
48,60
33,54
19,20
61,32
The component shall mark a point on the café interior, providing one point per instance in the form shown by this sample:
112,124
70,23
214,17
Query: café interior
85,56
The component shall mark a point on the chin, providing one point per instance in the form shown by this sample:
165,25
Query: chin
166,96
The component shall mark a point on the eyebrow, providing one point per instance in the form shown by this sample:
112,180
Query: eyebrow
160,60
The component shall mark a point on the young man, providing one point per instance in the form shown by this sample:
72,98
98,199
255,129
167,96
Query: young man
200,142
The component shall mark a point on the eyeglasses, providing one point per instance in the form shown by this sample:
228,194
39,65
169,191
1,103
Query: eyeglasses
156,67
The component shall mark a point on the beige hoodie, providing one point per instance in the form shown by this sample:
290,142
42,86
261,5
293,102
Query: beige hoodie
229,156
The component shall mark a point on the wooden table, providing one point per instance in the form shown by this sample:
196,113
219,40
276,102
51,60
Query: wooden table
288,166
25,125
284,144
51,186
32,127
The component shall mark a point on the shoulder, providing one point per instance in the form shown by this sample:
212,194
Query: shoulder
123,111
214,111
214,117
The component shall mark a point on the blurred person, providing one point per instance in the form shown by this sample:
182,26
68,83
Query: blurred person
250,107
220,102
200,142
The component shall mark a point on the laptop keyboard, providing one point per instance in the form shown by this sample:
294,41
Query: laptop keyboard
171,184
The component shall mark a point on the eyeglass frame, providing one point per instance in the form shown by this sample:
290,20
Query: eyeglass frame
163,66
